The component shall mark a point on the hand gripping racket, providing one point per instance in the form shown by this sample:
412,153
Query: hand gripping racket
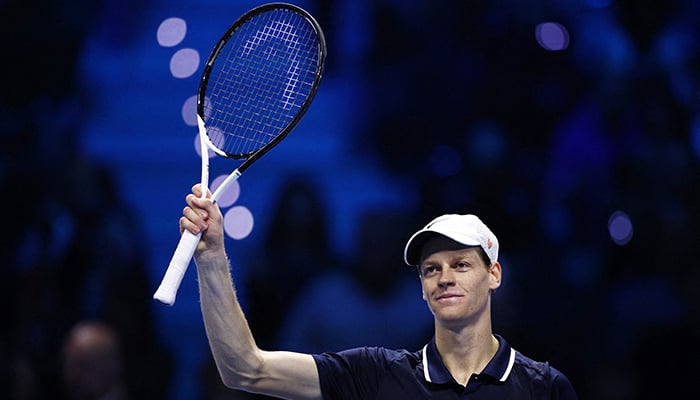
257,84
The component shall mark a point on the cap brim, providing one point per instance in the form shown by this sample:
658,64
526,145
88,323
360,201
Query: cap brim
412,252
415,244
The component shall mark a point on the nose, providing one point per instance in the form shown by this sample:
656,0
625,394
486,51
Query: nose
447,278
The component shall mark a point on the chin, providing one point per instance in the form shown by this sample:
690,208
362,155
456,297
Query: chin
449,318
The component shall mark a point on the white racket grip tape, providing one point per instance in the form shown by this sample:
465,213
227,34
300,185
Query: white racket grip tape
167,291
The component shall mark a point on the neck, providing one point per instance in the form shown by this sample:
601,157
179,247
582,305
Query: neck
465,352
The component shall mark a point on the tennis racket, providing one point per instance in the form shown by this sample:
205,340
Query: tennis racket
257,83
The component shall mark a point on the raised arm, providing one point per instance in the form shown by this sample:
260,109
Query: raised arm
241,364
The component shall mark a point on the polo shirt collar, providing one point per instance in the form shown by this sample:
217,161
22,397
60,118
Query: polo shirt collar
500,366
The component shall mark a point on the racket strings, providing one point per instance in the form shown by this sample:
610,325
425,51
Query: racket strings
259,81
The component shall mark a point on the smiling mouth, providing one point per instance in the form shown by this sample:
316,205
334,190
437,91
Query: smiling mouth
447,296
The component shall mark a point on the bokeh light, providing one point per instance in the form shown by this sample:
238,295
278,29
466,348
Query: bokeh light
189,111
171,32
198,147
230,195
620,228
552,36
238,222
184,63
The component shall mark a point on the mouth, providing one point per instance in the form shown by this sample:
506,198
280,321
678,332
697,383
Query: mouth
447,297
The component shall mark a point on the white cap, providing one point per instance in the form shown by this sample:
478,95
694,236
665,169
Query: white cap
465,229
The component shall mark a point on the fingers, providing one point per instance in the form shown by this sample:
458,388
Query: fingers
203,216
196,216
193,221
205,208
198,204
197,190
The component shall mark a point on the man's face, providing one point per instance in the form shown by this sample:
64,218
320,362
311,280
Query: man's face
456,283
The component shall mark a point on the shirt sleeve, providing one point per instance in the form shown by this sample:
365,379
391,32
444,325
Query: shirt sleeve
351,374
562,389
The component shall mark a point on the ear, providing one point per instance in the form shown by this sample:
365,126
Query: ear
495,276
420,278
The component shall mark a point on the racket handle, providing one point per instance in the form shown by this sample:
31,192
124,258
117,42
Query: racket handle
176,270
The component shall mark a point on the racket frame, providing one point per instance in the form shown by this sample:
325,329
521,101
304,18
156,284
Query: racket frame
182,256
250,158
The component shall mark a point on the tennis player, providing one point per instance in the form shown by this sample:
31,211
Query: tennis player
457,261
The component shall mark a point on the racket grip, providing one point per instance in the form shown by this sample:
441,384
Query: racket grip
176,270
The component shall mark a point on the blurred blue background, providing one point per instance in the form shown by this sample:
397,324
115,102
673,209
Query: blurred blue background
572,127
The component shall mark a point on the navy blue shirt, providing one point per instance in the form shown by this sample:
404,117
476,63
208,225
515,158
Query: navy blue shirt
379,373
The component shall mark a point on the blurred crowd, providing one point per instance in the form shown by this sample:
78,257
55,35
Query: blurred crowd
466,107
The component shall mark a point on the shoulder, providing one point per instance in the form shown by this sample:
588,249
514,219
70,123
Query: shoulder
371,363
543,375
379,356
536,369
364,372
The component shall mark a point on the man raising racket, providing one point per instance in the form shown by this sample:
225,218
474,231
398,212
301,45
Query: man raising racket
457,260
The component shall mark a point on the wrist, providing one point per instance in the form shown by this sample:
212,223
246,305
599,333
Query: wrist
211,258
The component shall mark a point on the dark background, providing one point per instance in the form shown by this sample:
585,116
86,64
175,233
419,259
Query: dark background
426,108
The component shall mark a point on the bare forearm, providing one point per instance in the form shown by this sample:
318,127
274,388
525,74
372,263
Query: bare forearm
240,362
232,344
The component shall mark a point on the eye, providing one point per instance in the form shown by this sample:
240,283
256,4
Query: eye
462,266
429,270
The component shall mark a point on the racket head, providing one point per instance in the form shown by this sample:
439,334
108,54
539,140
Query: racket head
260,79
